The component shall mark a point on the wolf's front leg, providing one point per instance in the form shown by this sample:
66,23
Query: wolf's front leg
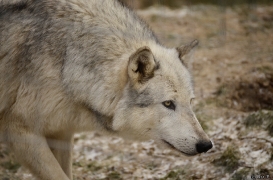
33,151
62,147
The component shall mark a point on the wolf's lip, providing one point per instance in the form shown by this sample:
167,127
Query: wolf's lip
172,147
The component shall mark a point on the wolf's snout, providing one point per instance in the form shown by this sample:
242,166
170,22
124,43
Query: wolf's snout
203,146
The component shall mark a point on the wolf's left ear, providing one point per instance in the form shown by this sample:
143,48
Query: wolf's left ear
184,50
141,65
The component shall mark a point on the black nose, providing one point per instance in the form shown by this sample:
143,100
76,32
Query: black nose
203,146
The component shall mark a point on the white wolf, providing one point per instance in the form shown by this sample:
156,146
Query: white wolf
74,65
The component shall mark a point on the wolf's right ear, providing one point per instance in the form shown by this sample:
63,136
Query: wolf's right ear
185,50
141,65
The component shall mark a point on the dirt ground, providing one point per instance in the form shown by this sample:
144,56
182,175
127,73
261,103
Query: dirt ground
233,76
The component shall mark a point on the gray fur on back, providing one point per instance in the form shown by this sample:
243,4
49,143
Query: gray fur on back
90,37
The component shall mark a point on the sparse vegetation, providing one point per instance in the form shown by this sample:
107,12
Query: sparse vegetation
174,175
114,175
11,166
229,159
241,174
93,167
262,119
221,90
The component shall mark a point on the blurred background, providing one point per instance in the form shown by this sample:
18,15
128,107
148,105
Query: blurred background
178,3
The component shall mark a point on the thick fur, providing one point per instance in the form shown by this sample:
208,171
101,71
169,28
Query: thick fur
73,65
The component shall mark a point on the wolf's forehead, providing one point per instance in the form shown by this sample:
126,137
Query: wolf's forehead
178,82
173,73
176,77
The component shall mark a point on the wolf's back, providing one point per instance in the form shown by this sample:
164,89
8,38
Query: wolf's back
25,49
39,37
12,39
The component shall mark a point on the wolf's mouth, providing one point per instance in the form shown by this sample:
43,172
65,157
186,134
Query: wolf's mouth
169,144
172,147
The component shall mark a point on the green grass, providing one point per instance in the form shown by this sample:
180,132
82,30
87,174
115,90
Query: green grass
93,167
174,175
242,174
114,175
11,166
260,119
229,159
221,90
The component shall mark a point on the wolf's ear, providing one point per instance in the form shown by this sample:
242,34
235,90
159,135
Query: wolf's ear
141,65
184,50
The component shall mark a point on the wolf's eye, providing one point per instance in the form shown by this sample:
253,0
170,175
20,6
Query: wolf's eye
169,105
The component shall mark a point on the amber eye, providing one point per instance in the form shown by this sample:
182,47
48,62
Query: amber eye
169,104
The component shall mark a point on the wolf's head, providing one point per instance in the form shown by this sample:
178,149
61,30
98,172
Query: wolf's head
156,102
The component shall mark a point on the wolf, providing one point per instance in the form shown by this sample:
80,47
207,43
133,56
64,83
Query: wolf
68,66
